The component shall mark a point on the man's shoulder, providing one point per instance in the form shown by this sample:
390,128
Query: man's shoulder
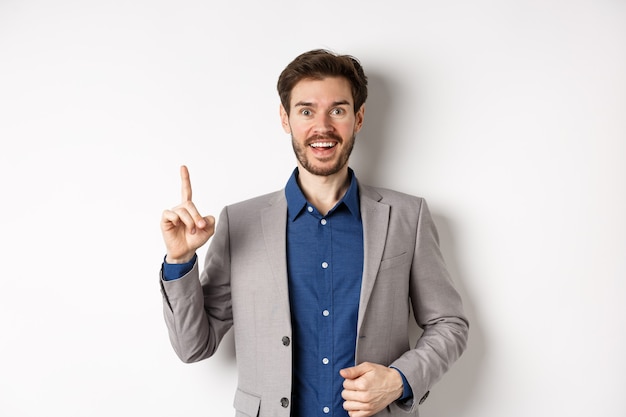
401,205
258,203
389,196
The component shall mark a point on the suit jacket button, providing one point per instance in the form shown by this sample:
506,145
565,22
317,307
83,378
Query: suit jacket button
286,341
284,402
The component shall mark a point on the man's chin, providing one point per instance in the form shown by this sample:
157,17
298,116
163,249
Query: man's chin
323,170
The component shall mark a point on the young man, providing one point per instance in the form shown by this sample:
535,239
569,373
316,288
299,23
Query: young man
316,279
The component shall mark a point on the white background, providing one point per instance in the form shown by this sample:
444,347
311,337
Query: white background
508,116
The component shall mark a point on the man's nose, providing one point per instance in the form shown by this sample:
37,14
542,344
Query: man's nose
323,123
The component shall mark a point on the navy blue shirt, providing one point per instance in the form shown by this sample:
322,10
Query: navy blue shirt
325,267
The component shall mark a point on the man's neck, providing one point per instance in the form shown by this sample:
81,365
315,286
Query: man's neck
324,192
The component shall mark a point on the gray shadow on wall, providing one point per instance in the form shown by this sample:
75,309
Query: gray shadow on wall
374,138
451,395
227,347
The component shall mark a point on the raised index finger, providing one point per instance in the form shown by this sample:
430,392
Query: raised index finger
186,184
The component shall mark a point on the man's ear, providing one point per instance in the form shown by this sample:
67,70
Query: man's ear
284,119
358,119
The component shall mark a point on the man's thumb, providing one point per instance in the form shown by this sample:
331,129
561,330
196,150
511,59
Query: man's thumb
353,372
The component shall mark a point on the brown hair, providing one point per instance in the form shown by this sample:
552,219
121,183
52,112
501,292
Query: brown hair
319,64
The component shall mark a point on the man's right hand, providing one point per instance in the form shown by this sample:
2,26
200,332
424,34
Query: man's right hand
184,229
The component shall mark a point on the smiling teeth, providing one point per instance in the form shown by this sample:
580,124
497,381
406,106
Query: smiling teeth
322,145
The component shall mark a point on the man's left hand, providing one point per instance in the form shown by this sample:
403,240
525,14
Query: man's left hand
369,387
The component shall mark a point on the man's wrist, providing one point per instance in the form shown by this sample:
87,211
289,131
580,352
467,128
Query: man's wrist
174,271
179,260
407,392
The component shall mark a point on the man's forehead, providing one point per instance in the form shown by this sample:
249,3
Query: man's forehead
330,89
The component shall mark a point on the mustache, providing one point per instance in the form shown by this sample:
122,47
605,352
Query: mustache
329,135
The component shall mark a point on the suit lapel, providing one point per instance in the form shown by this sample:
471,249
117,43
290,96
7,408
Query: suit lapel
274,222
375,216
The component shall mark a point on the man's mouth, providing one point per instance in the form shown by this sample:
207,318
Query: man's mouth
322,142
323,145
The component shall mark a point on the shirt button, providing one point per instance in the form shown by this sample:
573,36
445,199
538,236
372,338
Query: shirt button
325,361
325,313
326,410
286,341
324,265
284,402
310,209
323,221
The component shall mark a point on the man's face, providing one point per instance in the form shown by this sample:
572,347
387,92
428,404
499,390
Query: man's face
322,124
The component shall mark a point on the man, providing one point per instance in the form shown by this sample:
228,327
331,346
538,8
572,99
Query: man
317,279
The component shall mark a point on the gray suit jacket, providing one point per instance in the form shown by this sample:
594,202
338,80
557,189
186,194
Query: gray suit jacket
244,285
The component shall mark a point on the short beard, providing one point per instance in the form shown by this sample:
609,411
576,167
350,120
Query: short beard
307,165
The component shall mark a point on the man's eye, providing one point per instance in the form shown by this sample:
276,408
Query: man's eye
305,112
337,112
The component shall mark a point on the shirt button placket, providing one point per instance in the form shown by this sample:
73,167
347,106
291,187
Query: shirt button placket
325,312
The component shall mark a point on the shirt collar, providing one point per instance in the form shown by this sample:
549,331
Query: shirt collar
296,202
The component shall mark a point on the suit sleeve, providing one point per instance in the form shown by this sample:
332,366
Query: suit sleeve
438,310
197,307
